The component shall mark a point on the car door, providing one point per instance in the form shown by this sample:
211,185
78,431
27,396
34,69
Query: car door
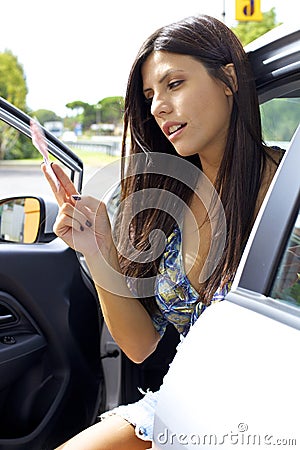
51,378
59,366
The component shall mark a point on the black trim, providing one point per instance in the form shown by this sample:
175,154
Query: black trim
275,59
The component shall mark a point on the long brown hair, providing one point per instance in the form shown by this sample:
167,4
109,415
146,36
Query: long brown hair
238,181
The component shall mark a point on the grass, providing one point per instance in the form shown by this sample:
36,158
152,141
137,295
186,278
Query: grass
95,159
92,159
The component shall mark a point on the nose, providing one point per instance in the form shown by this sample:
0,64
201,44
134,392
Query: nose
160,106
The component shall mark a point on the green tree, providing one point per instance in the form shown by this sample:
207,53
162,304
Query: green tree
84,113
90,116
12,80
22,148
248,31
14,89
112,109
45,115
78,107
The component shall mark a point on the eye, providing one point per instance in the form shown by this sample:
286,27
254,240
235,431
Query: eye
148,100
148,96
174,84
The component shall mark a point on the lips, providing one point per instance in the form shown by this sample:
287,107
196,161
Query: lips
170,128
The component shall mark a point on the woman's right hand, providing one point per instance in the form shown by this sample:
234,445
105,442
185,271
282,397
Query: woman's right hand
82,221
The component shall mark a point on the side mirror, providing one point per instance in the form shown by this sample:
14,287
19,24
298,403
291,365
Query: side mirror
27,220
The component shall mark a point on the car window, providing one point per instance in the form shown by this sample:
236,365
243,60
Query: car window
287,283
280,118
20,165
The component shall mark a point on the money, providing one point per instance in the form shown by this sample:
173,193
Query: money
39,141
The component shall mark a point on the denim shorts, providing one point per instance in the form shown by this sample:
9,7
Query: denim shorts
139,414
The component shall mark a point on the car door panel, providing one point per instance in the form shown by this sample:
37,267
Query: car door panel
47,349
51,378
243,389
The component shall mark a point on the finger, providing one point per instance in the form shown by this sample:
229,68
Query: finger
49,179
80,219
89,205
66,187
66,224
94,210
64,180
57,188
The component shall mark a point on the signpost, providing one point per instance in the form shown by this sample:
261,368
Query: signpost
248,10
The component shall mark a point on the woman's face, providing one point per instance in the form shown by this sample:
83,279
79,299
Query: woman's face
191,108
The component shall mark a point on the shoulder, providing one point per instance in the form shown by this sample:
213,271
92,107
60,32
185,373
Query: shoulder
275,153
273,158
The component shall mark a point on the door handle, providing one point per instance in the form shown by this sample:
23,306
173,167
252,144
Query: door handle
6,318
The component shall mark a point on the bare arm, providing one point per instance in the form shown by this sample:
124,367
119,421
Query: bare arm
84,225
128,321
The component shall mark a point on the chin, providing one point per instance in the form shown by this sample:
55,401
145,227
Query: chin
183,152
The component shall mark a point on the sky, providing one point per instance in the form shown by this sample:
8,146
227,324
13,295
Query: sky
83,49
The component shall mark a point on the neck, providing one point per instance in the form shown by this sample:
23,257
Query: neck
210,170
210,163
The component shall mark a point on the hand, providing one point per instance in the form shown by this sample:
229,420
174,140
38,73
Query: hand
82,221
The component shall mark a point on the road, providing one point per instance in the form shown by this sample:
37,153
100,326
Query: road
25,180
28,180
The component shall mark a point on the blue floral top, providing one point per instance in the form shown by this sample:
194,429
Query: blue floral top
177,299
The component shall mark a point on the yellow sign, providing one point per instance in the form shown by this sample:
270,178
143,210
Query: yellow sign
247,10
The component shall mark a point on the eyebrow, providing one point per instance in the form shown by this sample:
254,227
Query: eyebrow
162,79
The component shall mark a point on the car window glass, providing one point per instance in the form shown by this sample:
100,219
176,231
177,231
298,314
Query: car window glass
20,165
280,118
287,282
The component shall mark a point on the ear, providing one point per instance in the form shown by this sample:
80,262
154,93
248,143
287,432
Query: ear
229,70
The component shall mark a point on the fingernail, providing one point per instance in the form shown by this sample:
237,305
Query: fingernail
76,197
81,228
88,223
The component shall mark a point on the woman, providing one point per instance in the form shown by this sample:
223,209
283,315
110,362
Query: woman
192,114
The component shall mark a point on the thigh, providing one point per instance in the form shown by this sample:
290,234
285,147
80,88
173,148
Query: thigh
112,433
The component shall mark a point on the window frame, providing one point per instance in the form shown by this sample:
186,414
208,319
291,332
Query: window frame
21,122
267,243
289,259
